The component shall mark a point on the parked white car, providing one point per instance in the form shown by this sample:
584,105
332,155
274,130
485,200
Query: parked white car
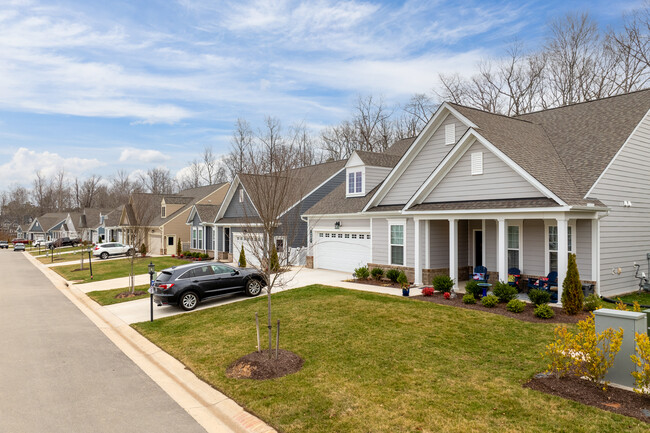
103,251
40,242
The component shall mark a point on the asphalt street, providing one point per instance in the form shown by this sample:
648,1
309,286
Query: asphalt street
60,373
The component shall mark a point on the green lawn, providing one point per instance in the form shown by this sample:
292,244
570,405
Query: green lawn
35,252
107,297
379,363
105,270
643,298
64,258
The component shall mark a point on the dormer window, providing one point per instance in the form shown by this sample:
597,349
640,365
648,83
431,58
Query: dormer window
162,211
355,182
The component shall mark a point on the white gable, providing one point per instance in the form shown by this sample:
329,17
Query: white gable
426,160
495,181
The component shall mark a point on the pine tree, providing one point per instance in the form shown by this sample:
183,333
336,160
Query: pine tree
178,247
242,258
572,296
275,261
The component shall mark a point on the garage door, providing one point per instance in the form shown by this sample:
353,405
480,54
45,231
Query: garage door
237,240
341,251
155,244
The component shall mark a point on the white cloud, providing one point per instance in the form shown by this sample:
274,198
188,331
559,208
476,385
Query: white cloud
25,163
143,155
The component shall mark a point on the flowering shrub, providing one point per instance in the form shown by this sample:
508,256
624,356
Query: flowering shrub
447,295
428,291
642,361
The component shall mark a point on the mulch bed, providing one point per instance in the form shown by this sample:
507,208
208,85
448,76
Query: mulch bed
528,315
613,400
130,295
259,366
373,282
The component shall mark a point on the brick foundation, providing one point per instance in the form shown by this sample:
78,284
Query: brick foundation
309,262
410,272
222,255
229,258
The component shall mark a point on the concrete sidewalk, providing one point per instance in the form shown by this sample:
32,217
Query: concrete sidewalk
214,411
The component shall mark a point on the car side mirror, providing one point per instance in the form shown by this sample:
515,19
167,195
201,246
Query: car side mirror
234,272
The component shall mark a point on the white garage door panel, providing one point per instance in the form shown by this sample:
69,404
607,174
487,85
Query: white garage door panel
238,239
341,253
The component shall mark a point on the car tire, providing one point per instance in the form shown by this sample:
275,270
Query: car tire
253,287
103,255
129,252
188,301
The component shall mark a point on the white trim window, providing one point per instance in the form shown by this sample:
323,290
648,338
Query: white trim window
194,236
396,244
355,182
552,245
514,246
200,233
163,212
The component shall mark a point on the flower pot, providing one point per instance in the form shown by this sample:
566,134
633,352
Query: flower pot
405,292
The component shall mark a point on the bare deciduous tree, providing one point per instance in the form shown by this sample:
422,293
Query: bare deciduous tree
158,181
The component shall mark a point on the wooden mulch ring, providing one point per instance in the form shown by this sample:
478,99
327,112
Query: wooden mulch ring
528,315
259,366
614,400
384,282
130,295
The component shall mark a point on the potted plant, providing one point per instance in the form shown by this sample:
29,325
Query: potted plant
404,283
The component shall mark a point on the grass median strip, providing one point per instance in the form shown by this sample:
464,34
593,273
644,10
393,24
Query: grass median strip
380,363
106,270
108,297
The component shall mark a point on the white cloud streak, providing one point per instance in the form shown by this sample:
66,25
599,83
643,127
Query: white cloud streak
133,155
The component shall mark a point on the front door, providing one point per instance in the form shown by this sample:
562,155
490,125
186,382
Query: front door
478,247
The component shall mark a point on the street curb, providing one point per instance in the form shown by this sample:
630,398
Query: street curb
214,411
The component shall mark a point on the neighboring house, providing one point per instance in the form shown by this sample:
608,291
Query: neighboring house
476,188
109,229
165,216
89,223
202,233
50,226
239,212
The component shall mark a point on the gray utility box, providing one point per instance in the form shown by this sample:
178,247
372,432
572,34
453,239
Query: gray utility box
631,322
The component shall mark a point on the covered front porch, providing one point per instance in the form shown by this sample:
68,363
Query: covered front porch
534,243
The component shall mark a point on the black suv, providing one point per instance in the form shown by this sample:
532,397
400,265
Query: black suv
187,285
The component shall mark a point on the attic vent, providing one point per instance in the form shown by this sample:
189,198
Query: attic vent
477,163
450,134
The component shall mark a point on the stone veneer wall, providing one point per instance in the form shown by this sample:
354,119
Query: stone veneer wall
309,262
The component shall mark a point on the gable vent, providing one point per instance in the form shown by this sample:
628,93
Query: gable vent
477,163
450,134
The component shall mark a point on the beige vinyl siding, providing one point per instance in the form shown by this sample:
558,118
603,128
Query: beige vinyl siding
424,163
498,181
439,244
534,247
379,241
374,176
346,224
583,248
625,232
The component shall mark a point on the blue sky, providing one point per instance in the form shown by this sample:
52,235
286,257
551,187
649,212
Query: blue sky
93,86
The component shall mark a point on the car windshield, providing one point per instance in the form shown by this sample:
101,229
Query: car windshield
164,277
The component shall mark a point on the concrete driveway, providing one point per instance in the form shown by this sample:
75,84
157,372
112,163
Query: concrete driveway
138,311
59,372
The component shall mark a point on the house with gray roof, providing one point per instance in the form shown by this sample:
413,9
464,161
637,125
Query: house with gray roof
235,221
481,189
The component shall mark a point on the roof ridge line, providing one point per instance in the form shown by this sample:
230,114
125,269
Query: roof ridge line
491,113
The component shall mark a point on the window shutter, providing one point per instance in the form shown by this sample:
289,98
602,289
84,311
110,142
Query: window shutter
450,134
477,163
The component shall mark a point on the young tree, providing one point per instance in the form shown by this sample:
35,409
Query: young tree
140,212
572,296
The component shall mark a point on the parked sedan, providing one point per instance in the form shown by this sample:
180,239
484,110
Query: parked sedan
187,285
103,251
19,247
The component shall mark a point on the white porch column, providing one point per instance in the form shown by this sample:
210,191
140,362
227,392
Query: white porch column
562,254
427,245
418,257
595,253
502,239
453,251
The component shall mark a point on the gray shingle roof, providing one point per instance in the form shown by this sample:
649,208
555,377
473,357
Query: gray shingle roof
486,204
375,159
207,212
50,219
188,198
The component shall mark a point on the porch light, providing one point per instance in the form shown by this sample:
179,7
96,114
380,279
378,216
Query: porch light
337,225
152,269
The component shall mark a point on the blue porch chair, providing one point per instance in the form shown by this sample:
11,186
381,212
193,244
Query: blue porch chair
551,281
514,275
480,270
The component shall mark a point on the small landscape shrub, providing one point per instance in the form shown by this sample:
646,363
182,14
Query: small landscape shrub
543,311
377,273
490,301
592,302
361,273
392,275
636,307
516,306
443,283
402,280
473,288
143,249
428,291
539,297
275,261
504,291
205,256
468,298
642,361
242,258
620,305
447,295
572,296
178,247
